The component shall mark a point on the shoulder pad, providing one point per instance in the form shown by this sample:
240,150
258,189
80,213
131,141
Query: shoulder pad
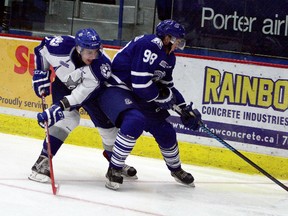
60,44
158,42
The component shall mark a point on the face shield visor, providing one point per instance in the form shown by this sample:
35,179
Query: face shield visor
179,43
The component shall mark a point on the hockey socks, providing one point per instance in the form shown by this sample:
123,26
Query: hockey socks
172,159
122,148
55,146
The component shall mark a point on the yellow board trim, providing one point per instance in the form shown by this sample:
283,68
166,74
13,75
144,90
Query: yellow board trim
195,154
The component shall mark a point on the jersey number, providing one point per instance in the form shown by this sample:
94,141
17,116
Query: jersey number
149,56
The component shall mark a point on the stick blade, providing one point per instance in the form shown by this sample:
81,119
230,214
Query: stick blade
55,189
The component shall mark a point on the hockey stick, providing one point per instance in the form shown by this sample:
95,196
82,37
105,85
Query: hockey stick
213,135
55,188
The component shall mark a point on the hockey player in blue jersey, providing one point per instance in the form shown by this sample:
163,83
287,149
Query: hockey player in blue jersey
140,92
81,67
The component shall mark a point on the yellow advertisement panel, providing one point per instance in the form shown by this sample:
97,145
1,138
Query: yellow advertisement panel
17,64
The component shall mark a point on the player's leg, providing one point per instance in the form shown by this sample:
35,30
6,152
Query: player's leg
108,136
119,106
165,136
57,134
108,133
132,124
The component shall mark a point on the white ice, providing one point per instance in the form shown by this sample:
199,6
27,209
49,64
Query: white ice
80,172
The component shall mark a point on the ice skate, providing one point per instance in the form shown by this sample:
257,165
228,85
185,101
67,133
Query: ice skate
40,170
129,172
114,178
183,177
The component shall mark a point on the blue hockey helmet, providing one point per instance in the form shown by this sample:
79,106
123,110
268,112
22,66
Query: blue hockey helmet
88,39
170,27
174,29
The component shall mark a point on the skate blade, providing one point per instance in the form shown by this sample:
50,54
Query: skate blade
112,185
189,185
135,177
34,176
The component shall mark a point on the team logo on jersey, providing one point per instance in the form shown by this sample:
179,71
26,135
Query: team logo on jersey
128,101
56,41
158,75
105,70
72,84
158,42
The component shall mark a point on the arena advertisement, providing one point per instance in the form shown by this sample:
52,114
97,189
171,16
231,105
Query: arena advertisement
254,27
17,64
240,102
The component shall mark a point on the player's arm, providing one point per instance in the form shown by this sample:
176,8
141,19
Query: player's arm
78,95
41,74
148,89
83,90
167,82
92,77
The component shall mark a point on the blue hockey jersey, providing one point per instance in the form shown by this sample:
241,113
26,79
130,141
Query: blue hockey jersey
141,64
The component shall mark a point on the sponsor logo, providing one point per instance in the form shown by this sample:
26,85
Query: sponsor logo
128,101
164,64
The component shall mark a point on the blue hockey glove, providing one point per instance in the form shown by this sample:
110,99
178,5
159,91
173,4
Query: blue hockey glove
188,120
50,115
166,98
41,82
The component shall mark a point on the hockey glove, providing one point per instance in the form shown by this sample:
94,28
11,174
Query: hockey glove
41,82
188,120
166,98
50,115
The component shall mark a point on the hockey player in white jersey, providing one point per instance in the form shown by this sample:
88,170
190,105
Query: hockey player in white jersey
81,67
140,91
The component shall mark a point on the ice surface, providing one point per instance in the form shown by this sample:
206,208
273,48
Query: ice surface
81,174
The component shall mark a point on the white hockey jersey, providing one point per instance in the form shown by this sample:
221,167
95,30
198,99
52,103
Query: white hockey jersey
83,81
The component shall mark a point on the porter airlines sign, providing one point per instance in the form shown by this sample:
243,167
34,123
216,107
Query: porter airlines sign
236,22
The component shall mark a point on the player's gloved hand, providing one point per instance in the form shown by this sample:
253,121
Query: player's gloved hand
166,98
41,82
191,118
50,115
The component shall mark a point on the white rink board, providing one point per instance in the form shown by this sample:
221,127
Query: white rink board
258,117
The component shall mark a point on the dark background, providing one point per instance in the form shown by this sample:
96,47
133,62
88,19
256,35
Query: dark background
189,12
